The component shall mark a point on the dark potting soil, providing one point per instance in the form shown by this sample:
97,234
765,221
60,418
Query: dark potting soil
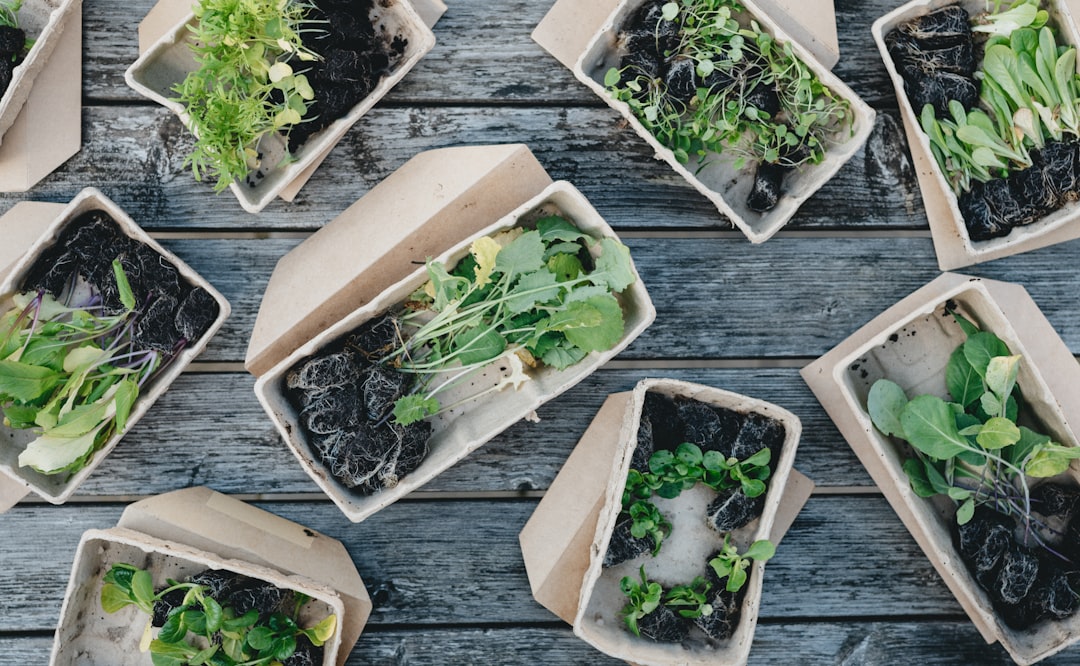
664,625
651,49
936,56
625,546
732,509
1026,583
345,401
994,208
356,55
12,53
170,312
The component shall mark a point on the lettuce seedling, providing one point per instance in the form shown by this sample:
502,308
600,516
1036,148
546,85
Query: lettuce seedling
71,372
204,630
690,601
644,597
970,448
729,564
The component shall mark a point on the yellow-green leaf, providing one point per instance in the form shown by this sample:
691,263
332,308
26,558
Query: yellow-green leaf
484,250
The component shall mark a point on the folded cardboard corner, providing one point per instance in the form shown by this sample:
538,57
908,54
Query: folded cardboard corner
421,210
556,541
164,16
207,520
1048,357
34,147
569,25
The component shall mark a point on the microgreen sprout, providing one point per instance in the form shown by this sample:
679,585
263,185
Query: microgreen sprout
729,564
203,630
732,64
689,601
249,82
644,597
971,448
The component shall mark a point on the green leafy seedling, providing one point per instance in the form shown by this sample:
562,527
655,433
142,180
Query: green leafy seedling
729,564
644,597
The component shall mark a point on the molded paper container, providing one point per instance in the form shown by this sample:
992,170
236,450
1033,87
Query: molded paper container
460,431
12,442
953,245
184,532
169,60
910,344
565,540
43,21
720,182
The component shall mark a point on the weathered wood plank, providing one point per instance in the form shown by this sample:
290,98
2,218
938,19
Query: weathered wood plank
717,297
136,154
482,55
458,562
209,427
852,643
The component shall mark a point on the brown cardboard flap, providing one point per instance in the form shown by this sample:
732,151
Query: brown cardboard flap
23,224
556,557
433,201
567,28
164,16
556,541
32,148
11,493
210,521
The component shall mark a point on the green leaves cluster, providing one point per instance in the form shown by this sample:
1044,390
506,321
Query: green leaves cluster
971,448
732,565
245,85
670,473
644,597
203,631
719,119
70,373
527,296
1030,94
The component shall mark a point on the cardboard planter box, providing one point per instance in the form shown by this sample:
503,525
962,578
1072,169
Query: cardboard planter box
168,61
585,39
910,344
49,223
462,198
188,531
44,21
953,245
566,538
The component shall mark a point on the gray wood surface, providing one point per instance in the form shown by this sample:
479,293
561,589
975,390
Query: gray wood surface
849,585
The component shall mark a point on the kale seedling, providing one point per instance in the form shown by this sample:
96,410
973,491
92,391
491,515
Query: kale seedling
644,598
729,564
970,448
245,85
204,631
71,372
522,297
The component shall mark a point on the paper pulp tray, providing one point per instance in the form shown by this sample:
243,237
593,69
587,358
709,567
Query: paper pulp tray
15,481
910,343
565,540
460,431
169,60
44,21
187,531
953,245
723,184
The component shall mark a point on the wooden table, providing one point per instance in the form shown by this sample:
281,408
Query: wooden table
849,585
